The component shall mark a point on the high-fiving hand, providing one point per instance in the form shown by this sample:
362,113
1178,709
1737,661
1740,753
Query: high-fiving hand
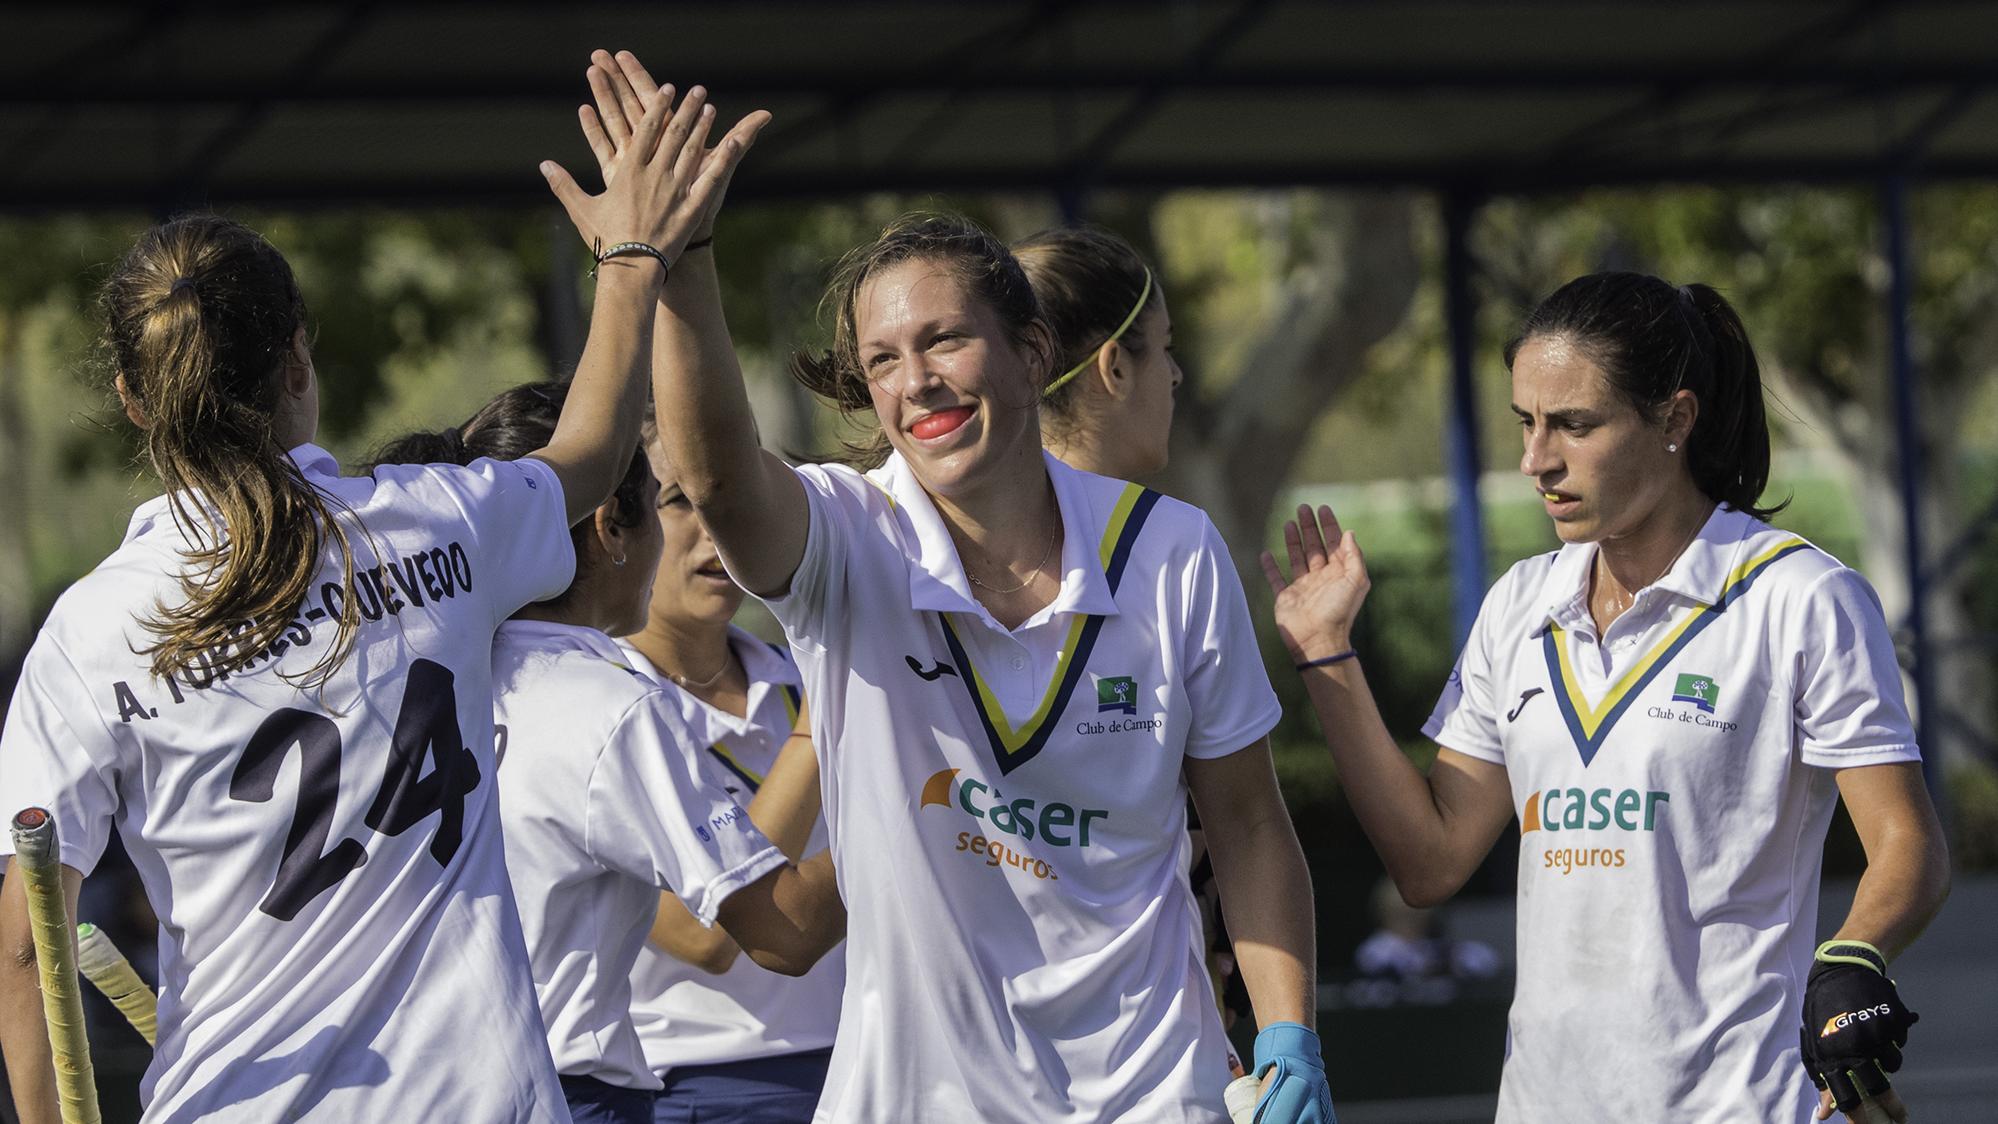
663,184
625,92
1316,607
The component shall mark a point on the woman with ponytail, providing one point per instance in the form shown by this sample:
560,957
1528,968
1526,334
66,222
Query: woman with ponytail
1108,408
278,689
1670,705
1109,411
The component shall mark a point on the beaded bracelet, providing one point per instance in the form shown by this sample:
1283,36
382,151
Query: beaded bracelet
1328,661
627,249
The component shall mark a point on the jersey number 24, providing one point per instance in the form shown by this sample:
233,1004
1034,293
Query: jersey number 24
428,721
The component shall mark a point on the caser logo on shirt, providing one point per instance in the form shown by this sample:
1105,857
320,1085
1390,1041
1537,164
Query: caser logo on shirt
1574,810
1054,824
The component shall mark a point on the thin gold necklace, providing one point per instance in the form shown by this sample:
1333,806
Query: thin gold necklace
1031,574
1630,597
728,657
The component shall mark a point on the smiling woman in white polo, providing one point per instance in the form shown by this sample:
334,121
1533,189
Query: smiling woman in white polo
1671,704
1017,672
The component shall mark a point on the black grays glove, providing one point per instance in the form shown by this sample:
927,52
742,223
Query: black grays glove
1854,1023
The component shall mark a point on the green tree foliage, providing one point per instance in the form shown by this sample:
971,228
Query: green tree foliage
414,321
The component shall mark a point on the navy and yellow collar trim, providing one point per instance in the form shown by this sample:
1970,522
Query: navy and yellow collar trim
1590,724
793,700
937,582
1013,746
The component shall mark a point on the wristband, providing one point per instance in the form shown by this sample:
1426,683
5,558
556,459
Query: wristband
1851,952
630,249
1328,661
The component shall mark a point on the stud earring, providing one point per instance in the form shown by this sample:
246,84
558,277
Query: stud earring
1672,448
617,561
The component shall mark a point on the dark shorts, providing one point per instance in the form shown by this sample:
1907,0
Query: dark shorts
780,1090
594,1102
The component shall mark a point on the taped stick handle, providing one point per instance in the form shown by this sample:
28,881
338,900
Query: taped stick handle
1240,1098
108,970
36,862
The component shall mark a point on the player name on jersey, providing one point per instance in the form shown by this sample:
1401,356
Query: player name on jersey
418,578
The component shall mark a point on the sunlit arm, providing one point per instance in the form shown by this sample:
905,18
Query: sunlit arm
750,501
1431,831
1265,885
789,918
785,808
786,804
1907,861
676,932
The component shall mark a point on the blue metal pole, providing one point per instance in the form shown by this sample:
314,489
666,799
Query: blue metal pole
1908,434
1464,464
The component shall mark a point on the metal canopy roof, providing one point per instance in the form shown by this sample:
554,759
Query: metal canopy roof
156,106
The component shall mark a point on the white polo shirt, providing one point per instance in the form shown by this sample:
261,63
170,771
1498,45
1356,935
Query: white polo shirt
1674,780
603,806
686,1016
1008,810
326,863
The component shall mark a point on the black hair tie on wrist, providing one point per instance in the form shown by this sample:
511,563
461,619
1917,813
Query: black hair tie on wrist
1328,661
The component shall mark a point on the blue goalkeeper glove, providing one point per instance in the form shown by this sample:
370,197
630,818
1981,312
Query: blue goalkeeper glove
1299,1094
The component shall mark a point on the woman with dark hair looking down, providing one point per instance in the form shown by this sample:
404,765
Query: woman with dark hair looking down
1671,704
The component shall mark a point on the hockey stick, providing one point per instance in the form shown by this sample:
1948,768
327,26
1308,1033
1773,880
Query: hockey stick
35,860
105,967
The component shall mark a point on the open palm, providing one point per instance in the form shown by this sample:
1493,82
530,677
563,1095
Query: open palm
624,92
1315,608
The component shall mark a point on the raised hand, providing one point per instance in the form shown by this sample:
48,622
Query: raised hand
623,90
1316,607
666,181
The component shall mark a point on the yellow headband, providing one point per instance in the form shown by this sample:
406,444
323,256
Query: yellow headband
1144,295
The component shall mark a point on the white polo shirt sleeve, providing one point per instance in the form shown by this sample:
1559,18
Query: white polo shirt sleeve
1466,718
46,761
1850,710
519,520
651,815
1227,687
817,593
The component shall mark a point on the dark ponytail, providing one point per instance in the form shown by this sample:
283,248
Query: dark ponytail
1652,339
200,319
515,423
